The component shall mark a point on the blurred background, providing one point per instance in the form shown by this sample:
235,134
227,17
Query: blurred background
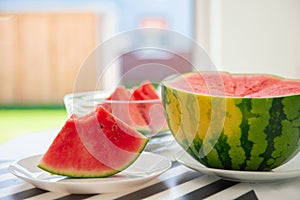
44,44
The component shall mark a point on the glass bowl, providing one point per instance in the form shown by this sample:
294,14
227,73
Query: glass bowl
152,124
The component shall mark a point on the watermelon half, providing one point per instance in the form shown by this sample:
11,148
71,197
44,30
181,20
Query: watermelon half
231,121
95,145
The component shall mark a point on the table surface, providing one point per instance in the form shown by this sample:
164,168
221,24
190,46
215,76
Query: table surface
179,182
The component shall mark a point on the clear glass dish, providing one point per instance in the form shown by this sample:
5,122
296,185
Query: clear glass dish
154,127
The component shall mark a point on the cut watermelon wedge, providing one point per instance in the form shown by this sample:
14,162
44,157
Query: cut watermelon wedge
152,113
146,91
117,104
96,145
120,93
140,108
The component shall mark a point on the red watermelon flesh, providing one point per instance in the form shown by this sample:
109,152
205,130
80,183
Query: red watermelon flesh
120,93
239,85
146,91
249,85
95,145
117,104
123,106
208,83
137,109
152,112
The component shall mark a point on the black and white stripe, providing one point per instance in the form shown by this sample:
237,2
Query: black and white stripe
178,182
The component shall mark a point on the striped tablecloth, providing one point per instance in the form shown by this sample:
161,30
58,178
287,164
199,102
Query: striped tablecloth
179,182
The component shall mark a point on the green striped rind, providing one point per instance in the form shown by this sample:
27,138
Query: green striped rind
256,119
257,134
75,174
288,140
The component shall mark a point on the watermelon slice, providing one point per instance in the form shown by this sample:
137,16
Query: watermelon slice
152,112
117,104
95,145
141,108
146,91
120,93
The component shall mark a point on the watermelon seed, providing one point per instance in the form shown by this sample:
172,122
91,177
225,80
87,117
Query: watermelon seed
101,126
114,127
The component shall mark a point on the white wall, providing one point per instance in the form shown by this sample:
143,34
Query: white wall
251,36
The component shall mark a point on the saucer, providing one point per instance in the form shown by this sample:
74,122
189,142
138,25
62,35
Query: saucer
289,170
147,167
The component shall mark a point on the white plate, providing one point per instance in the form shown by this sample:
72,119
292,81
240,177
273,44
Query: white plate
289,170
145,168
